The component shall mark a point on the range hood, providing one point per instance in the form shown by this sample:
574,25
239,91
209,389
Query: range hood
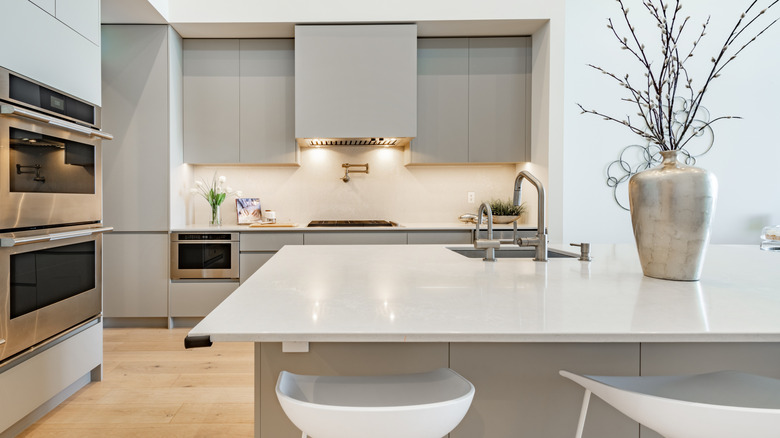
355,85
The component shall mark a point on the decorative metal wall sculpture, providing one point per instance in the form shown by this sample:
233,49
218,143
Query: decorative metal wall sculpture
636,158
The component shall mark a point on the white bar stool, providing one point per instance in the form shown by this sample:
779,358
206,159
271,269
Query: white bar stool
424,405
724,404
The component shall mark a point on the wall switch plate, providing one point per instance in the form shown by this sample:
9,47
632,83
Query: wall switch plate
470,197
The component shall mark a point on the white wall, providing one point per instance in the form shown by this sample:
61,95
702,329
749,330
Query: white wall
390,191
745,152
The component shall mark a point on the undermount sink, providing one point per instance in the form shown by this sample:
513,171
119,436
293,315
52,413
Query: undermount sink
510,253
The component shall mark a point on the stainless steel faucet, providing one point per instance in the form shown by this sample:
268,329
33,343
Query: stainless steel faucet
540,240
489,245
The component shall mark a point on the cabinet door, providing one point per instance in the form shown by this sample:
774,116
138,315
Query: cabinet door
210,101
135,163
39,46
83,16
499,99
250,262
195,298
135,274
267,101
442,101
439,237
354,238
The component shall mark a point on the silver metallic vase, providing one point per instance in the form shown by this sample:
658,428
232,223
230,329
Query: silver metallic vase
671,211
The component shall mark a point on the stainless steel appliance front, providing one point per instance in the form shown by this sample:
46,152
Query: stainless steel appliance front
51,282
204,255
49,157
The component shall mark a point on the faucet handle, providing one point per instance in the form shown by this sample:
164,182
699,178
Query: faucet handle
584,251
487,243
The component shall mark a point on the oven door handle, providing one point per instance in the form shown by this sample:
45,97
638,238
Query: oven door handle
17,241
6,109
79,233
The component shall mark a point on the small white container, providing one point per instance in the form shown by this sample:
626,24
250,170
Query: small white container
771,238
270,216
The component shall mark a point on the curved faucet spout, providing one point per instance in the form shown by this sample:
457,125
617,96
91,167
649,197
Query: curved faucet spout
540,241
489,244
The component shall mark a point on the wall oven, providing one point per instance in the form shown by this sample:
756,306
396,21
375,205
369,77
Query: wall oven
49,157
51,282
50,215
204,255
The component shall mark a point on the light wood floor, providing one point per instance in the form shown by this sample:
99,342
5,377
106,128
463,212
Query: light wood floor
153,387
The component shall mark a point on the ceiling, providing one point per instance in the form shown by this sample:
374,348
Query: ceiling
142,12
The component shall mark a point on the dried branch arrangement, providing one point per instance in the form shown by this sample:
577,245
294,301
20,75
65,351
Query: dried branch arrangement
668,81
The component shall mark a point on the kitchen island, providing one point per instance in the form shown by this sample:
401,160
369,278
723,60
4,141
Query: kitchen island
507,326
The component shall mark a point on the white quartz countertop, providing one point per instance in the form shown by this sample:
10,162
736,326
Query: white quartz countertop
427,293
424,226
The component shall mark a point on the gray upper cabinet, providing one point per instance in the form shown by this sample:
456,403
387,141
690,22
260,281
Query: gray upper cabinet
135,110
442,101
499,99
473,101
211,101
239,101
267,101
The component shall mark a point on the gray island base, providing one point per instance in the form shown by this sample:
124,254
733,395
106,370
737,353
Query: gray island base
507,326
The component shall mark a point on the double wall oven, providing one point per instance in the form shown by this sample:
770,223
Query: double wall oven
51,215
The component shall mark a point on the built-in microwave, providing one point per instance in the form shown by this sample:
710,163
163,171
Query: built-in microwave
204,255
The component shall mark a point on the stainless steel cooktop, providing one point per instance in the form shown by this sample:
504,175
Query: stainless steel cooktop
353,223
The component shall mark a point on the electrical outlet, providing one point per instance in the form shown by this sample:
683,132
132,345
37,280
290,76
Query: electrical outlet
470,197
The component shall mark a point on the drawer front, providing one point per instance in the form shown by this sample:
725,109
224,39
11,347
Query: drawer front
198,297
439,237
355,238
269,240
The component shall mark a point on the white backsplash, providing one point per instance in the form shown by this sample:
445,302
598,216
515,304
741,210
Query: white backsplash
391,191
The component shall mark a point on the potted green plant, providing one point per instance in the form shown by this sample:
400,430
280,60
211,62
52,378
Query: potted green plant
506,212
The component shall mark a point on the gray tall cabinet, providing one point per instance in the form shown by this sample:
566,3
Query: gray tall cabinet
139,74
473,100
239,101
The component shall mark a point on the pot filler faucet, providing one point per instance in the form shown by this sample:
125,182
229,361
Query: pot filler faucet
539,241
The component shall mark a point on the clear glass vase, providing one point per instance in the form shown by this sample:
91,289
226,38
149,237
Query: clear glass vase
216,216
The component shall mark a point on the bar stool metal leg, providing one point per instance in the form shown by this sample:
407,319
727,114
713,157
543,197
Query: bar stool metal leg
583,413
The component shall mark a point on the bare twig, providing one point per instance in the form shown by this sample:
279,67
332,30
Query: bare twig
655,103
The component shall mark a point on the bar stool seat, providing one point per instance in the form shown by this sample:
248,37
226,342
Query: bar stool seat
724,404
424,405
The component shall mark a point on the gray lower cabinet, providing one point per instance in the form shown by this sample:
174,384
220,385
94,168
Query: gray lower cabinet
694,358
474,100
439,237
135,275
258,247
354,238
250,262
196,298
334,358
520,394
239,101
